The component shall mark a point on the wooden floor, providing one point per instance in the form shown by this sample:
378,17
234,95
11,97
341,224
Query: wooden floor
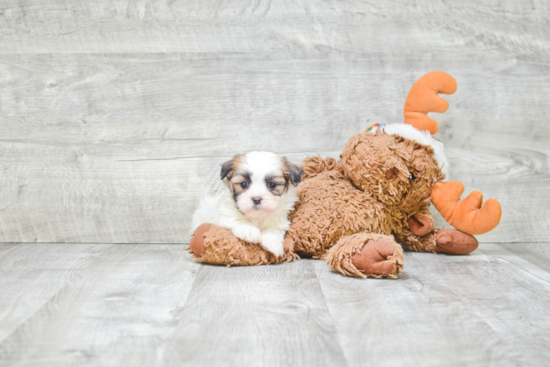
116,115
152,305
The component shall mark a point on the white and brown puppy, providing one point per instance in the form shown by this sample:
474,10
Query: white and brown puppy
261,193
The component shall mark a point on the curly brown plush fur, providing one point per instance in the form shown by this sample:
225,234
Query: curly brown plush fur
216,245
354,195
351,255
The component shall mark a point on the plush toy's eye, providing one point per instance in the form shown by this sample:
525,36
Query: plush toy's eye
272,185
244,184
411,176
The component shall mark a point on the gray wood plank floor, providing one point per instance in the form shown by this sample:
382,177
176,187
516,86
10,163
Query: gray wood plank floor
136,305
115,116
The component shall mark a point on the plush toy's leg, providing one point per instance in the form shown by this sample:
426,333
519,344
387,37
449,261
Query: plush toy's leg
215,245
455,242
426,243
366,255
449,241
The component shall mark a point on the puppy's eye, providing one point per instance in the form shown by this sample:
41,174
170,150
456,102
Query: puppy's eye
411,176
244,184
272,185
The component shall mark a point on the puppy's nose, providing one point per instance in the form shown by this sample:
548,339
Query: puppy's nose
257,200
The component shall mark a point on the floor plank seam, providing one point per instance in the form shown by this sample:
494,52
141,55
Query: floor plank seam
331,316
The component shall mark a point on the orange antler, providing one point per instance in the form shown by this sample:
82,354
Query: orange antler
423,98
466,215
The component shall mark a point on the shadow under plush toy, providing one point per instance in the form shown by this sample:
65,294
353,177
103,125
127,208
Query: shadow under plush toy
354,212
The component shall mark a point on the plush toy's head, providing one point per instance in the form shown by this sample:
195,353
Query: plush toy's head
395,170
403,165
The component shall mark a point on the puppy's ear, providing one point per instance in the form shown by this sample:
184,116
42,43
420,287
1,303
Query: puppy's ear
294,172
227,167
230,166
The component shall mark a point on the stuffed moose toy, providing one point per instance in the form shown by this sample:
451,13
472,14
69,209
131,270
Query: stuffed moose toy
356,212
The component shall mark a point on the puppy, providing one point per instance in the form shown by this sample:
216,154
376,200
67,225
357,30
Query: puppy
261,191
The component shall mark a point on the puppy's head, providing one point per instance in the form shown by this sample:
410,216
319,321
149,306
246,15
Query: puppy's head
258,181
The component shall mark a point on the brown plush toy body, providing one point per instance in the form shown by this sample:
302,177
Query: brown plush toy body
354,212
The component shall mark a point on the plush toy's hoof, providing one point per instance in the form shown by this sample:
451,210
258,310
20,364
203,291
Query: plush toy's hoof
196,244
452,241
373,258
366,255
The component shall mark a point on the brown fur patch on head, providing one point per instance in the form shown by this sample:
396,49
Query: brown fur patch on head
367,158
291,172
239,183
278,185
228,174
230,167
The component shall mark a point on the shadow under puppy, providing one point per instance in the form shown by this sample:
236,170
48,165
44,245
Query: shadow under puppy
261,192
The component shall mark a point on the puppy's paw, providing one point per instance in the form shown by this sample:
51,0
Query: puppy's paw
248,234
272,241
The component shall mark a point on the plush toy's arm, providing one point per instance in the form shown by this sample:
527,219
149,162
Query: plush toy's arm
271,239
312,166
422,223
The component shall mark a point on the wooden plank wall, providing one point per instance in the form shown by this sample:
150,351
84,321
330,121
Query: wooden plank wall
115,115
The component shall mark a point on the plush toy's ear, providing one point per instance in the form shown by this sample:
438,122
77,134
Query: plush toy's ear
294,172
